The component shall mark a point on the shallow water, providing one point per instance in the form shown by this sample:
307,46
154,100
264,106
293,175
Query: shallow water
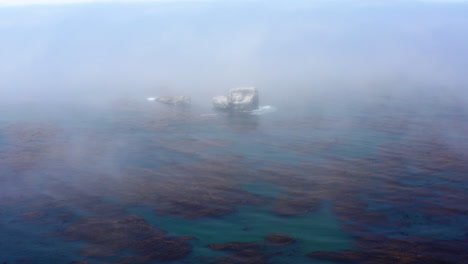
138,182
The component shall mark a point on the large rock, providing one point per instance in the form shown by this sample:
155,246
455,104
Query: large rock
179,100
241,99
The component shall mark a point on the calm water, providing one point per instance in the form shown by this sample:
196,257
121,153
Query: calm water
139,182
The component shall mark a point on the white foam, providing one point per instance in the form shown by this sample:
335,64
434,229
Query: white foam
264,110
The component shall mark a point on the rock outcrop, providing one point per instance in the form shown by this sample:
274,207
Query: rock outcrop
221,103
179,100
241,99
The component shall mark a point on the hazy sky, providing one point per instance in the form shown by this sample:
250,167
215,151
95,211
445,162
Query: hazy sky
208,46
49,2
54,2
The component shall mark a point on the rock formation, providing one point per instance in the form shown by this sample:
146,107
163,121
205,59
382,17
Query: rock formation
241,99
221,103
179,100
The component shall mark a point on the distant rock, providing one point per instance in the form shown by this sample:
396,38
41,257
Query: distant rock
221,103
179,100
241,99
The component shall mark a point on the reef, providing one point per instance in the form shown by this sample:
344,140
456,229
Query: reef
207,189
280,239
398,200
252,253
289,206
382,250
110,236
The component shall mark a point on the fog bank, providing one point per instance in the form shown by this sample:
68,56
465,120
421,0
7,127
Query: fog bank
338,49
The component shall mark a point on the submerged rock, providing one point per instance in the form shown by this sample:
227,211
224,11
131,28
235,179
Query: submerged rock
235,246
279,239
414,250
179,100
111,235
241,99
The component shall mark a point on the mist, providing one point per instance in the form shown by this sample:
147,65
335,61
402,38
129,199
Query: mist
69,62
358,150
291,51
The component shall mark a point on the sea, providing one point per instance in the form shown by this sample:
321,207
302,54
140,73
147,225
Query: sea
135,181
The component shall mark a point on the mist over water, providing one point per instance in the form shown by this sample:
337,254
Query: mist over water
359,145
343,48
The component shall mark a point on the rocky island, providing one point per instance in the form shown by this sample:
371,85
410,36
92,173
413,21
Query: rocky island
180,100
241,99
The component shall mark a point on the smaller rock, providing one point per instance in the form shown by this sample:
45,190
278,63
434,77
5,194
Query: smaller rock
221,103
179,100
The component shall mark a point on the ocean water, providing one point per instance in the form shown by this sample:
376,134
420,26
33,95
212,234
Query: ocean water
134,181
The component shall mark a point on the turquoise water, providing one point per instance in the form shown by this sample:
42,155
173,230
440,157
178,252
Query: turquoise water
317,231
150,173
34,242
